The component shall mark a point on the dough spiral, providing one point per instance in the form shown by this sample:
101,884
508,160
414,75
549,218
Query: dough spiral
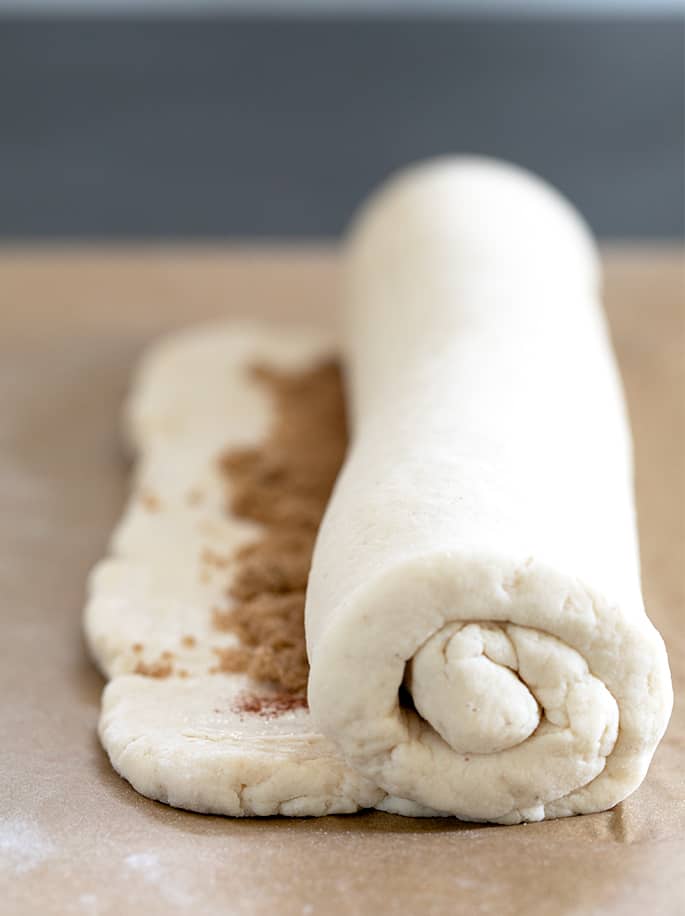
475,626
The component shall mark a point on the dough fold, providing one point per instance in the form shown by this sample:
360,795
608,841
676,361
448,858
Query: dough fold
475,626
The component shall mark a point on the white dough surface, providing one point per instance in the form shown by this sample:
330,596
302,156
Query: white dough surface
475,626
480,545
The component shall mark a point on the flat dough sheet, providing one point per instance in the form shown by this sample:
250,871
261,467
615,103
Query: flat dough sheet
182,738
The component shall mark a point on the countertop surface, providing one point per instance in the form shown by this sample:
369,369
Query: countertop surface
74,837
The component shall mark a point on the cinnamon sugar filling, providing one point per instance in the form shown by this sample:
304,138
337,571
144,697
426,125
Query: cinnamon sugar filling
284,484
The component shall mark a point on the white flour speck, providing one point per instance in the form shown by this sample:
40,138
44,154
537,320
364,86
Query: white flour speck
23,845
165,880
88,903
147,864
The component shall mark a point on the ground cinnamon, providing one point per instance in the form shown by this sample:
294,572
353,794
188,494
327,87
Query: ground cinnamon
268,706
159,669
284,483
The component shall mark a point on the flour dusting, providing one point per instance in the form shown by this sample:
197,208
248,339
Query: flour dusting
163,878
23,845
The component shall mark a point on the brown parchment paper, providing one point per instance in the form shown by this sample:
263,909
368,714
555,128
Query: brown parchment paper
75,838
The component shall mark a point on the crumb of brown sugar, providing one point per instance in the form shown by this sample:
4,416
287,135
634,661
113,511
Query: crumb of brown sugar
158,669
137,647
269,707
150,501
188,642
231,660
212,558
222,619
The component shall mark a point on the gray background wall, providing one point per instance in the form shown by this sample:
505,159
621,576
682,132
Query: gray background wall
123,126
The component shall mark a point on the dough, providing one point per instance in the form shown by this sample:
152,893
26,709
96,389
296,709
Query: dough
180,734
475,626
480,545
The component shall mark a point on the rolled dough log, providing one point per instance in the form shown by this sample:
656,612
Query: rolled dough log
480,546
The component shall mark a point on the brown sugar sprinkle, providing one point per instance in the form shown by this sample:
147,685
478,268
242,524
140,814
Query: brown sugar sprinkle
150,501
268,706
271,626
279,563
231,660
158,669
166,655
284,484
188,642
137,647
211,558
222,620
